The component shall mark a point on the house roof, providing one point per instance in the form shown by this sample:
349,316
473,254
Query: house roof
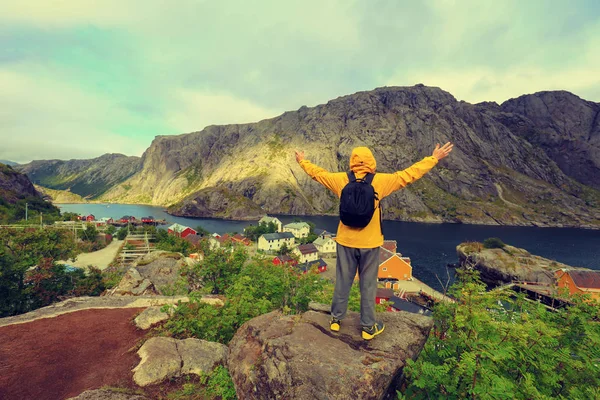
321,232
223,239
285,258
308,248
320,241
307,265
268,219
193,239
278,235
385,254
179,228
586,279
384,293
390,245
297,225
239,236
404,305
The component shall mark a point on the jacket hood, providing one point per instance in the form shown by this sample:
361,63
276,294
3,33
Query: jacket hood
362,161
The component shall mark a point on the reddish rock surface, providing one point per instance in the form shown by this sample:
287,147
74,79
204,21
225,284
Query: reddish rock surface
60,357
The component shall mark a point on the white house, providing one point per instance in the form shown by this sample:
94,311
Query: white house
325,245
298,229
307,252
274,241
266,219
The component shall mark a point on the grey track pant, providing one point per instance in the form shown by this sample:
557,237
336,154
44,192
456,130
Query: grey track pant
348,261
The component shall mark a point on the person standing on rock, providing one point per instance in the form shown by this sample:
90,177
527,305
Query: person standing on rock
358,247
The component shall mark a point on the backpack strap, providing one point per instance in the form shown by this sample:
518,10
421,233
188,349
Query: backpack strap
351,177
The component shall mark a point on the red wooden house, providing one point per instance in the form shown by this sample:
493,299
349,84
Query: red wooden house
579,281
306,266
89,218
126,219
181,230
285,259
148,220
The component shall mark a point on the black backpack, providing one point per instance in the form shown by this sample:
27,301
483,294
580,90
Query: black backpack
357,202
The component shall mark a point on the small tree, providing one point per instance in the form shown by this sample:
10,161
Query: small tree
90,233
493,243
284,250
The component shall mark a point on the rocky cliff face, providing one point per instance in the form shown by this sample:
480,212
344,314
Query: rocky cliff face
564,126
87,178
497,173
217,203
15,186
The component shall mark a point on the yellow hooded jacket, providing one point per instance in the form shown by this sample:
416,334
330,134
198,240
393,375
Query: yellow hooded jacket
362,162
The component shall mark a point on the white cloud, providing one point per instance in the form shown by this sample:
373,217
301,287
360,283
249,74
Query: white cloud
193,110
41,118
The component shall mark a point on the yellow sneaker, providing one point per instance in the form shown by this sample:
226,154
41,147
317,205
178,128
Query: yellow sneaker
334,325
370,333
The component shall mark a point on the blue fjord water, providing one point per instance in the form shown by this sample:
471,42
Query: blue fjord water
430,246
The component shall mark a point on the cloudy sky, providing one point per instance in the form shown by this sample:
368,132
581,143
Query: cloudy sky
80,78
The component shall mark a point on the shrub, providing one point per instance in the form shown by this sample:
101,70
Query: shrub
493,243
499,345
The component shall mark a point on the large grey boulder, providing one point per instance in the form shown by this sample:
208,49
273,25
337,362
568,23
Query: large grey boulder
150,316
107,394
159,360
200,356
163,358
133,284
297,357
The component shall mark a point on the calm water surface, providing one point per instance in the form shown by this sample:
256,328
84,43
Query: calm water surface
430,246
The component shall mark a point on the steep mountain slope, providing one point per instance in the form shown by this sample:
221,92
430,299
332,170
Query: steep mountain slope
566,127
16,191
497,174
9,163
87,178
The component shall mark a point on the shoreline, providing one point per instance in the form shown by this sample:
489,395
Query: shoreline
586,227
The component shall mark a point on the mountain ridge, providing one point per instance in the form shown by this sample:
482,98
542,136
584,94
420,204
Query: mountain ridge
503,169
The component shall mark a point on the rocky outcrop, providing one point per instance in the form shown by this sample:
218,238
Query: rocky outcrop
87,178
133,284
14,185
163,358
87,303
150,316
502,266
275,356
217,203
151,274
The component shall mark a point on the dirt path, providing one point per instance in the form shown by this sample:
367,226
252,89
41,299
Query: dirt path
99,259
57,358
501,196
